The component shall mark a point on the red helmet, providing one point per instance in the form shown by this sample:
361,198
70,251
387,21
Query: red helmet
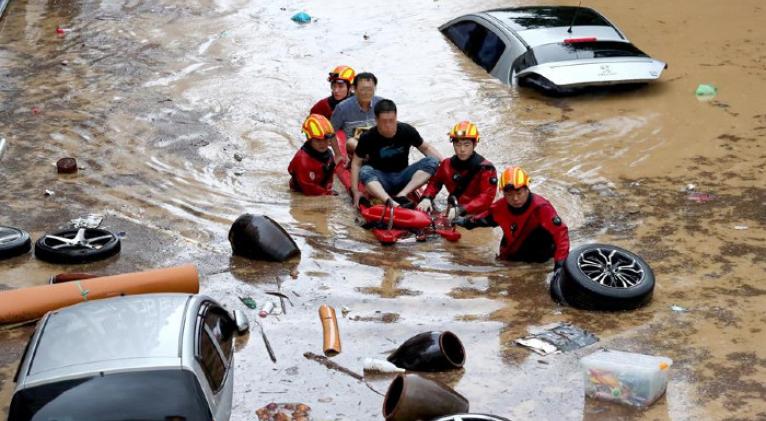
464,130
343,73
317,126
513,178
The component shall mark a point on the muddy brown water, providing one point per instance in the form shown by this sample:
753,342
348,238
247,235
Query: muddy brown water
155,98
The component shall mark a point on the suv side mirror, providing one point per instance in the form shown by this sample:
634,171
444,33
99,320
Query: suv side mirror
240,319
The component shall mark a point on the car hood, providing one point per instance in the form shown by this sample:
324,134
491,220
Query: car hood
598,71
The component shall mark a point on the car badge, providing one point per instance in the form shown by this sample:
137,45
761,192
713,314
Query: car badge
606,70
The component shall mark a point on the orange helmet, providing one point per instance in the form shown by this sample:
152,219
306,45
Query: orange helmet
464,130
317,126
513,178
344,73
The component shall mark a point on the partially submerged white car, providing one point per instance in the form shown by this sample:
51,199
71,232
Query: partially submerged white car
142,357
557,49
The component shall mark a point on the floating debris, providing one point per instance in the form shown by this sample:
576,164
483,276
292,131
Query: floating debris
557,337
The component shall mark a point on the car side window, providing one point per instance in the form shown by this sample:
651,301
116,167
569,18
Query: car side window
483,46
215,336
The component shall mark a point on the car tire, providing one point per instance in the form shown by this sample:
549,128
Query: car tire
80,245
13,242
606,277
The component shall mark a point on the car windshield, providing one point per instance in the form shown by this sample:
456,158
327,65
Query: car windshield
170,395
550,53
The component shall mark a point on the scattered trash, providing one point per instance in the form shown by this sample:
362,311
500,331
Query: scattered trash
377,317
49,192
430,351
344,311
557,337
266,309
700,197
64,62
413,397
266,342
92,220
239,171
383,366
249,302
121,234
740,227
624,377
238,157
66,166
706,92
3,143
60,30
690,187
678,309
69,277
284,412
331,345
35,111
332,365
365,36
301,17
260,237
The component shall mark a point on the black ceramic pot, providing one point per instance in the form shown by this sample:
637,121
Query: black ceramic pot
260,237
412,397
430,351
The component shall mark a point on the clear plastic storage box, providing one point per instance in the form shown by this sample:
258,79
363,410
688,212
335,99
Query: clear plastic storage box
632,379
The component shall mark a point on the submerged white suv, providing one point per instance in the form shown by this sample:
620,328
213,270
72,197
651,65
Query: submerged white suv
142,357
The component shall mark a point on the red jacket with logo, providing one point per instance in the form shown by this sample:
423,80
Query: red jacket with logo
516,227
477,197
311,172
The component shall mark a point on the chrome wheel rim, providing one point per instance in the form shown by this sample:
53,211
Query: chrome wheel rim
80,239
611,268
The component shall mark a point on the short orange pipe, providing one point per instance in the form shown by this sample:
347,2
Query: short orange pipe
330,330
20,305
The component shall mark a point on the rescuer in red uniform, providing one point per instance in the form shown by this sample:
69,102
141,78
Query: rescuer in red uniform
532,229
340,80
470,179
312,167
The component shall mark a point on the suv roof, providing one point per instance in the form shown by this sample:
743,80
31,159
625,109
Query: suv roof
540,17
121,332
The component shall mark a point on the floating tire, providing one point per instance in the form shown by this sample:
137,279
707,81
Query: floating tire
606,277
80,245
261,238
13,242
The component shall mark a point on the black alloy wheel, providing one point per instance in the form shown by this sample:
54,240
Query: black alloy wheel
13,242
80,245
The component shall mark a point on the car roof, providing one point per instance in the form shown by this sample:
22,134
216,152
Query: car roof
538,25
118,333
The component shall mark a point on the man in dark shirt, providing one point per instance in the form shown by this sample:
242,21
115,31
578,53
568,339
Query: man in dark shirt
386,149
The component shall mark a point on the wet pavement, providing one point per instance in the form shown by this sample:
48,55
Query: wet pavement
155,98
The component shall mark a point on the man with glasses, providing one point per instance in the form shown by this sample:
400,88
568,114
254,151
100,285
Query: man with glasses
311,169
532,229
355,115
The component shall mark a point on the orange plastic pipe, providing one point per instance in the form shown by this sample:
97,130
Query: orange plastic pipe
330,330
19,305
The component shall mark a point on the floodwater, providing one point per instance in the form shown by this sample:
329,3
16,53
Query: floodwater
155,98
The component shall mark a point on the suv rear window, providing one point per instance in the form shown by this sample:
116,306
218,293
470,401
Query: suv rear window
550,53
171,395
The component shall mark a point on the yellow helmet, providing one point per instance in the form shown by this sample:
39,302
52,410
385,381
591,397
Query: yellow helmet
464,130
317,126
344,73
513,178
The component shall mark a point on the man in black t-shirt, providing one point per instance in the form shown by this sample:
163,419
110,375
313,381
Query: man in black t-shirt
386,148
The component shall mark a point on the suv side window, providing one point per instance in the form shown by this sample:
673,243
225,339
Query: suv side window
215,336
483,46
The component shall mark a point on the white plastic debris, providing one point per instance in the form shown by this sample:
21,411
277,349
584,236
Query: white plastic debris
740,227
678,309
267,309
92,220
49,192
383,366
